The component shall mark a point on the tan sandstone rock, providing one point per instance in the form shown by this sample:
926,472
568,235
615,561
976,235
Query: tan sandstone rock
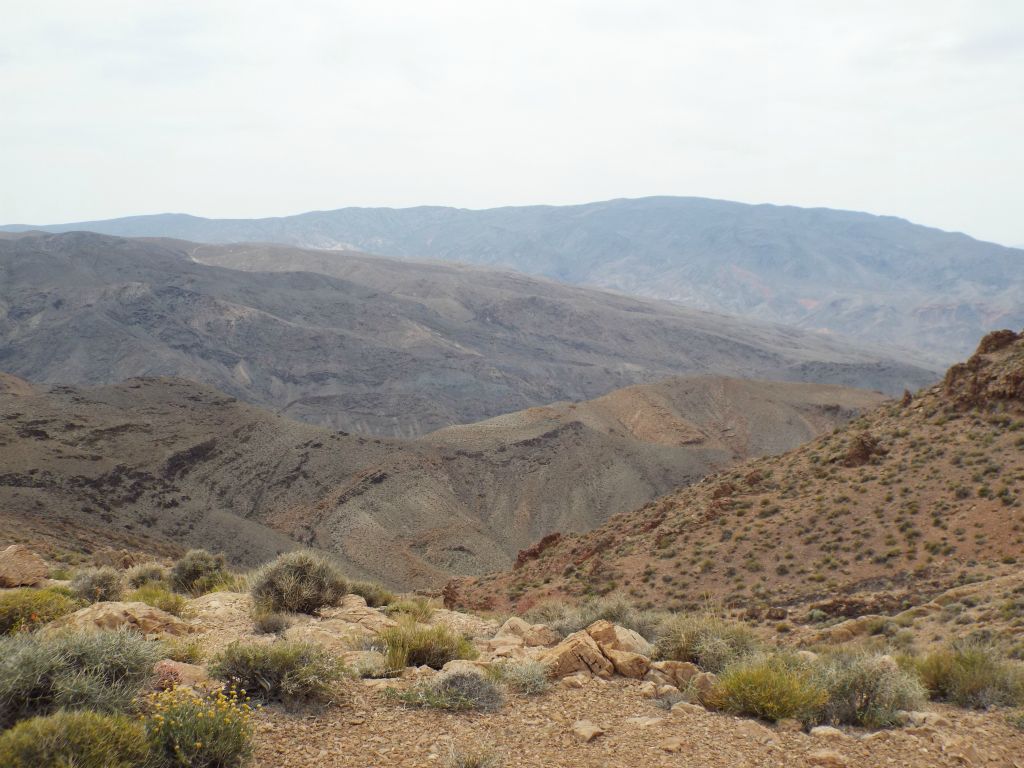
178,673
628,664
21,567
586,731
609,635
576,653
530,635
677,673
137,616
827,758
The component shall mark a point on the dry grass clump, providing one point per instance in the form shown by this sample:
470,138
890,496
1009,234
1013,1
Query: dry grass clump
27,608
455,691
72,670
771,687
98,584
75,739
417,608
527,677
409,644
566,618
288,672
971,675
300,582
266,622
157,595
374,594
473,757
710,642
199,572
866,689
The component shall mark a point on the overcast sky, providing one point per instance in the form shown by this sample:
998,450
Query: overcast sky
907,107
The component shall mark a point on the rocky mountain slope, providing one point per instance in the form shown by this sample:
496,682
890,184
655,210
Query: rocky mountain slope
382,347
875,278
157,464
909,498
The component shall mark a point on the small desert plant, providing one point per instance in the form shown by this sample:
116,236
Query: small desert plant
269,622
456,691
199,572
710,642
75,740
289,672
1016,719
25,609
566,618
302,582
771,687
145,574
866,689
91,670
98,584
971,675
529,677
185,728
473,757
157,595
418,608
189,651
412,645
374,594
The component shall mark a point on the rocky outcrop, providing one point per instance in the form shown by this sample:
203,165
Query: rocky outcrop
609,635
579,652
530,634
140,617
21,567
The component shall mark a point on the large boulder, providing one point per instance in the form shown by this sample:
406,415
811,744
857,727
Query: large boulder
609,635
576,653
140,617
21,567
530,634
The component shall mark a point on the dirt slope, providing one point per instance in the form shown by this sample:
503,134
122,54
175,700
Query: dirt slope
911,497
167,462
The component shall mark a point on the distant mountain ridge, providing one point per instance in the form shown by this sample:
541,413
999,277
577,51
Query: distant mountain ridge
366,344
879,279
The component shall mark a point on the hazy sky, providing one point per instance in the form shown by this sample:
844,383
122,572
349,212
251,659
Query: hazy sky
907,107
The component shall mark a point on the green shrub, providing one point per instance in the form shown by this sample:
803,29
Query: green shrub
157,595
269,622
566,618
412,645
417,608
706,640
147,573
71,670
302,582
374,594
289,672
771,687
98,584
456,691
24,609
185,728
529,677
972,675
74,740
866,689
199,572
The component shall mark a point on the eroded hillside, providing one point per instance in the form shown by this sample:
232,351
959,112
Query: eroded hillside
909,498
